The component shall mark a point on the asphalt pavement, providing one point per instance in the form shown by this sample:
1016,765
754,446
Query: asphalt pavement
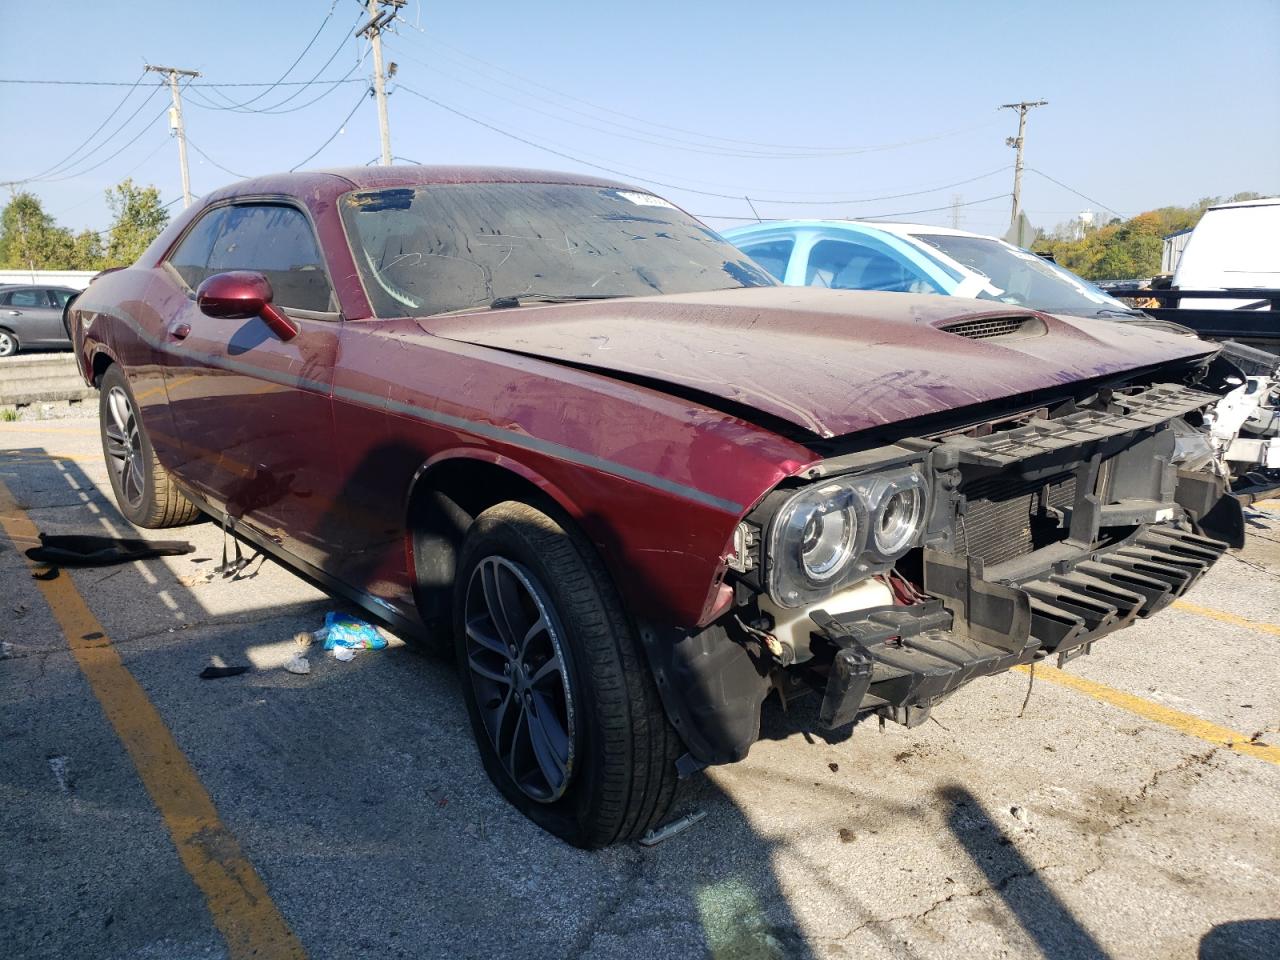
1128,811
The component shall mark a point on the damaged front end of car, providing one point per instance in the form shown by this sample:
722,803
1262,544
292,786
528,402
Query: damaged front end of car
884,579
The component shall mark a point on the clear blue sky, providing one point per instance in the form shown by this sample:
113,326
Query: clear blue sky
1151,103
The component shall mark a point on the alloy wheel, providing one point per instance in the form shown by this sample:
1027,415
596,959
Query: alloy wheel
8,345
124,446
517,668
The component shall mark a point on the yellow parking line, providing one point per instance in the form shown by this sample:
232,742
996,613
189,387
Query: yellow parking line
237,898
1224,617
1175,719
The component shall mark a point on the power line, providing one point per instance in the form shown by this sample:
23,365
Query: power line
298,59
334,85
274,108
628,132
141,133
238,176
877,216
124,83
612,112
676,186
363,94
1075,191
62,168
98,129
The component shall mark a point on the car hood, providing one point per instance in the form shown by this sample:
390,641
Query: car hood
831,362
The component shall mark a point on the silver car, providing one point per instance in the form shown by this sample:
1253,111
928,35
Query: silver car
31,317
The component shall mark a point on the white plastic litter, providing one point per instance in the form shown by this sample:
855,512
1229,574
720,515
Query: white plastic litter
298,664
344,653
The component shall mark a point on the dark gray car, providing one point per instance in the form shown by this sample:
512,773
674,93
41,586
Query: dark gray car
31,317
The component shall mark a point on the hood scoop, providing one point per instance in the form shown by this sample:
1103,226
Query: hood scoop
986,328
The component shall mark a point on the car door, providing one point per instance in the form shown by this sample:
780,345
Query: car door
32,316
252,411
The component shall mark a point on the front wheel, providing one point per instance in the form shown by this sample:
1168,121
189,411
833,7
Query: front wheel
144,490
564,710
8,344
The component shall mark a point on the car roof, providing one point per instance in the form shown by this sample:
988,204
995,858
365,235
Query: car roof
1260,202
342,179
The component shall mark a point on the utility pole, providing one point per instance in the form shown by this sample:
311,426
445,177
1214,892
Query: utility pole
381,12
1017,143
175,121
956,200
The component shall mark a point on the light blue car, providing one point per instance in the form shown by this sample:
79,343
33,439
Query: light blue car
918,258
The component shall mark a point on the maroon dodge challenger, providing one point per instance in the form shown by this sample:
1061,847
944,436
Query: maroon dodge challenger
559,428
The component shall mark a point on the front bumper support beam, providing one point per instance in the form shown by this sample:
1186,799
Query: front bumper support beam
901,660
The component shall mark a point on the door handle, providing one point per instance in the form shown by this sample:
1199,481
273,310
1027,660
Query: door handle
180,331
15,313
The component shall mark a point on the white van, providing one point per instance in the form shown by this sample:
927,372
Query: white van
1234,245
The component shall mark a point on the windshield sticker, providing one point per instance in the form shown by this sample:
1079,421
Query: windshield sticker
401,199
642,199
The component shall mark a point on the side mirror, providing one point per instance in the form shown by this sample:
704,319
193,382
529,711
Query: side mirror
241,294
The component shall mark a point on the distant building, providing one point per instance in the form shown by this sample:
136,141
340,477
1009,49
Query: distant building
1172,252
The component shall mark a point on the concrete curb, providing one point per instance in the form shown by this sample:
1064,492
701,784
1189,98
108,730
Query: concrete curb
41,378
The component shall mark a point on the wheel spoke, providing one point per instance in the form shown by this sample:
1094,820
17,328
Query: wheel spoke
493,600
116,443
487,672
549,669
133,481
509,756
476,632
538,627
545,749
118,404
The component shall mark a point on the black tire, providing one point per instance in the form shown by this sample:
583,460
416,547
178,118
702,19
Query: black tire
144,490
621,777
9,345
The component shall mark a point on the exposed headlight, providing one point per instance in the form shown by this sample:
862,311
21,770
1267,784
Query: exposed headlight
827,542
826,536
899,511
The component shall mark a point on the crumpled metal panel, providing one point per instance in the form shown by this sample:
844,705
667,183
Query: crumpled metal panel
829,361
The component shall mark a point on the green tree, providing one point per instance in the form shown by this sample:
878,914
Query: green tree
29,237
138,218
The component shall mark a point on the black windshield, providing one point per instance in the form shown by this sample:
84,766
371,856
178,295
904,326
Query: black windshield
431,249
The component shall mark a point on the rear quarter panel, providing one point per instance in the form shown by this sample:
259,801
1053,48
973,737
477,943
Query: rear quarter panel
116,318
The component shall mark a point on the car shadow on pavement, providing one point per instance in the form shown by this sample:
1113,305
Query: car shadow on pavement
1044,918
356,791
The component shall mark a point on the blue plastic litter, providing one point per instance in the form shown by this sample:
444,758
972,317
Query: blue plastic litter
344,630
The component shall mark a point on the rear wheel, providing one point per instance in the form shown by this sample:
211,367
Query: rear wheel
144,490
563,707
8,344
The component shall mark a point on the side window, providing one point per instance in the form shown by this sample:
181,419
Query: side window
277,242
771,254
191,259
59,298
854,266
28,298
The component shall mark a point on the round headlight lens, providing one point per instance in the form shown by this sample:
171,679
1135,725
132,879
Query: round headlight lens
827,543
898,519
